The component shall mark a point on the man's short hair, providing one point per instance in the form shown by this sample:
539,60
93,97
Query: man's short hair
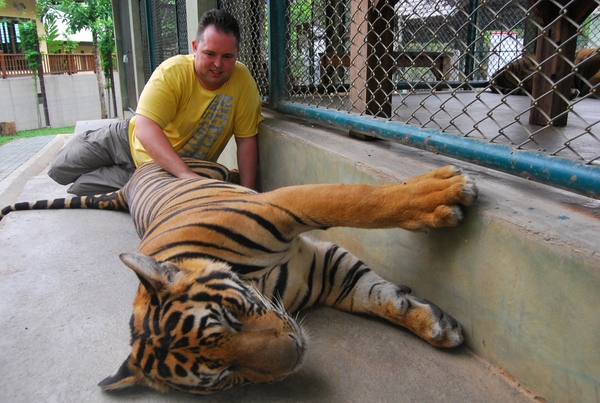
223,22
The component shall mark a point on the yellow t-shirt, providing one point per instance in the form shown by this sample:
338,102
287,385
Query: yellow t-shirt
198,123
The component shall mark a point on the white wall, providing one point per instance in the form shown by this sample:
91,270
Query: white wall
70,98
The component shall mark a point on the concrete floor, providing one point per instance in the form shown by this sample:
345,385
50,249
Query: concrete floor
491,113
65,303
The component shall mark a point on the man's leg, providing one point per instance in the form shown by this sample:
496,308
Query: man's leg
103,180
89,151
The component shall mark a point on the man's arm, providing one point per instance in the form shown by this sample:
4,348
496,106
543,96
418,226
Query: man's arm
247,158
156,144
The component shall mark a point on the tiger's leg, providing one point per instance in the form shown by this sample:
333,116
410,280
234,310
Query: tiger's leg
429,200
323,273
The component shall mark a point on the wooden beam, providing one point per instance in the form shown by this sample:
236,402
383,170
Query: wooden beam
555,54
380,60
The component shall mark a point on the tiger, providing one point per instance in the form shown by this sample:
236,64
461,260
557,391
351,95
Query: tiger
223,270
516,78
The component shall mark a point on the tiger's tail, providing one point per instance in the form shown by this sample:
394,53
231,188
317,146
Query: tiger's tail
108,201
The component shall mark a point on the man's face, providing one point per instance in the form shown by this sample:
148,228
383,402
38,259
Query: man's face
214,58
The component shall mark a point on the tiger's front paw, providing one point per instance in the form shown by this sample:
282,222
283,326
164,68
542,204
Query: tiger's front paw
437,198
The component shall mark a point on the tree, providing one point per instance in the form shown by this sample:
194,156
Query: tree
91,14
54,44
106,45
30,46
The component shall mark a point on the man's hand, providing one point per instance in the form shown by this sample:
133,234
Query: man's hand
156,144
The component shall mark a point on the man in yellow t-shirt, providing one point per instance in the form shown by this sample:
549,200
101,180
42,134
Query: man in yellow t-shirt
190,107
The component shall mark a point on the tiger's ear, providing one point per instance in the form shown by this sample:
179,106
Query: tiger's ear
125,377
153,275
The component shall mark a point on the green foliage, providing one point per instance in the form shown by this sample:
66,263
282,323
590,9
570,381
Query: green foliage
29,44
48,131
95,15
53,44
2,3
69,45
106,46
46,10
91,14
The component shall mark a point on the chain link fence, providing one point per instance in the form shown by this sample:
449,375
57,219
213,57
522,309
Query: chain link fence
501,71
517,74
252,17
164,31
486,69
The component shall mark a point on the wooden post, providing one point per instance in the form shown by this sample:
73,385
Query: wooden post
380,62
359,28
40,74
555,52
372,85
71,64
2,66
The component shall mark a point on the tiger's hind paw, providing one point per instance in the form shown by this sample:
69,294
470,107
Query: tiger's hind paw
433,325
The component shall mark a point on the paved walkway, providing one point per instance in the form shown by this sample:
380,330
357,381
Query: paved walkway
16,152
22,159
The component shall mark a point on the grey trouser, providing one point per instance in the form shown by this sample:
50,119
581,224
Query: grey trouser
97,161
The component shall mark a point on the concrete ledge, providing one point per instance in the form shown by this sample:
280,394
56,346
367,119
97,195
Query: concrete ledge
521,273
85,125
11,186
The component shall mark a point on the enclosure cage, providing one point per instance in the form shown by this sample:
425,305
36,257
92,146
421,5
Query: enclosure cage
506,73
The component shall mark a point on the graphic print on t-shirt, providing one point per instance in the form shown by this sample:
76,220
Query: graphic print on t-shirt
209,129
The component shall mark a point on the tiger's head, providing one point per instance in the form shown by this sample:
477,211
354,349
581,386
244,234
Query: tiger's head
196,327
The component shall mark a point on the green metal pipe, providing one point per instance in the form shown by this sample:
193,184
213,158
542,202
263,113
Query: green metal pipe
555,171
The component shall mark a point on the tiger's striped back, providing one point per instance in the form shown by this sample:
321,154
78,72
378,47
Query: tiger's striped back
516,78
155,191
587,77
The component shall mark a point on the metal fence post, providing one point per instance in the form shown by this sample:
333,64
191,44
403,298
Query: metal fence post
277,50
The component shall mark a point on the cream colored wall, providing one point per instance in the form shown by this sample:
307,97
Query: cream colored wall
19,8
84,48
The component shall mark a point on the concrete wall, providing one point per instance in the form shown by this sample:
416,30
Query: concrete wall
521,274
70,98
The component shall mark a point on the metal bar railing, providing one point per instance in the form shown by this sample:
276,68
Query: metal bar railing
556,171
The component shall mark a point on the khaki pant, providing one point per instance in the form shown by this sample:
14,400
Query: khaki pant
97,161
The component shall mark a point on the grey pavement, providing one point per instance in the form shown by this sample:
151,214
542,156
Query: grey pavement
65,303
16,152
